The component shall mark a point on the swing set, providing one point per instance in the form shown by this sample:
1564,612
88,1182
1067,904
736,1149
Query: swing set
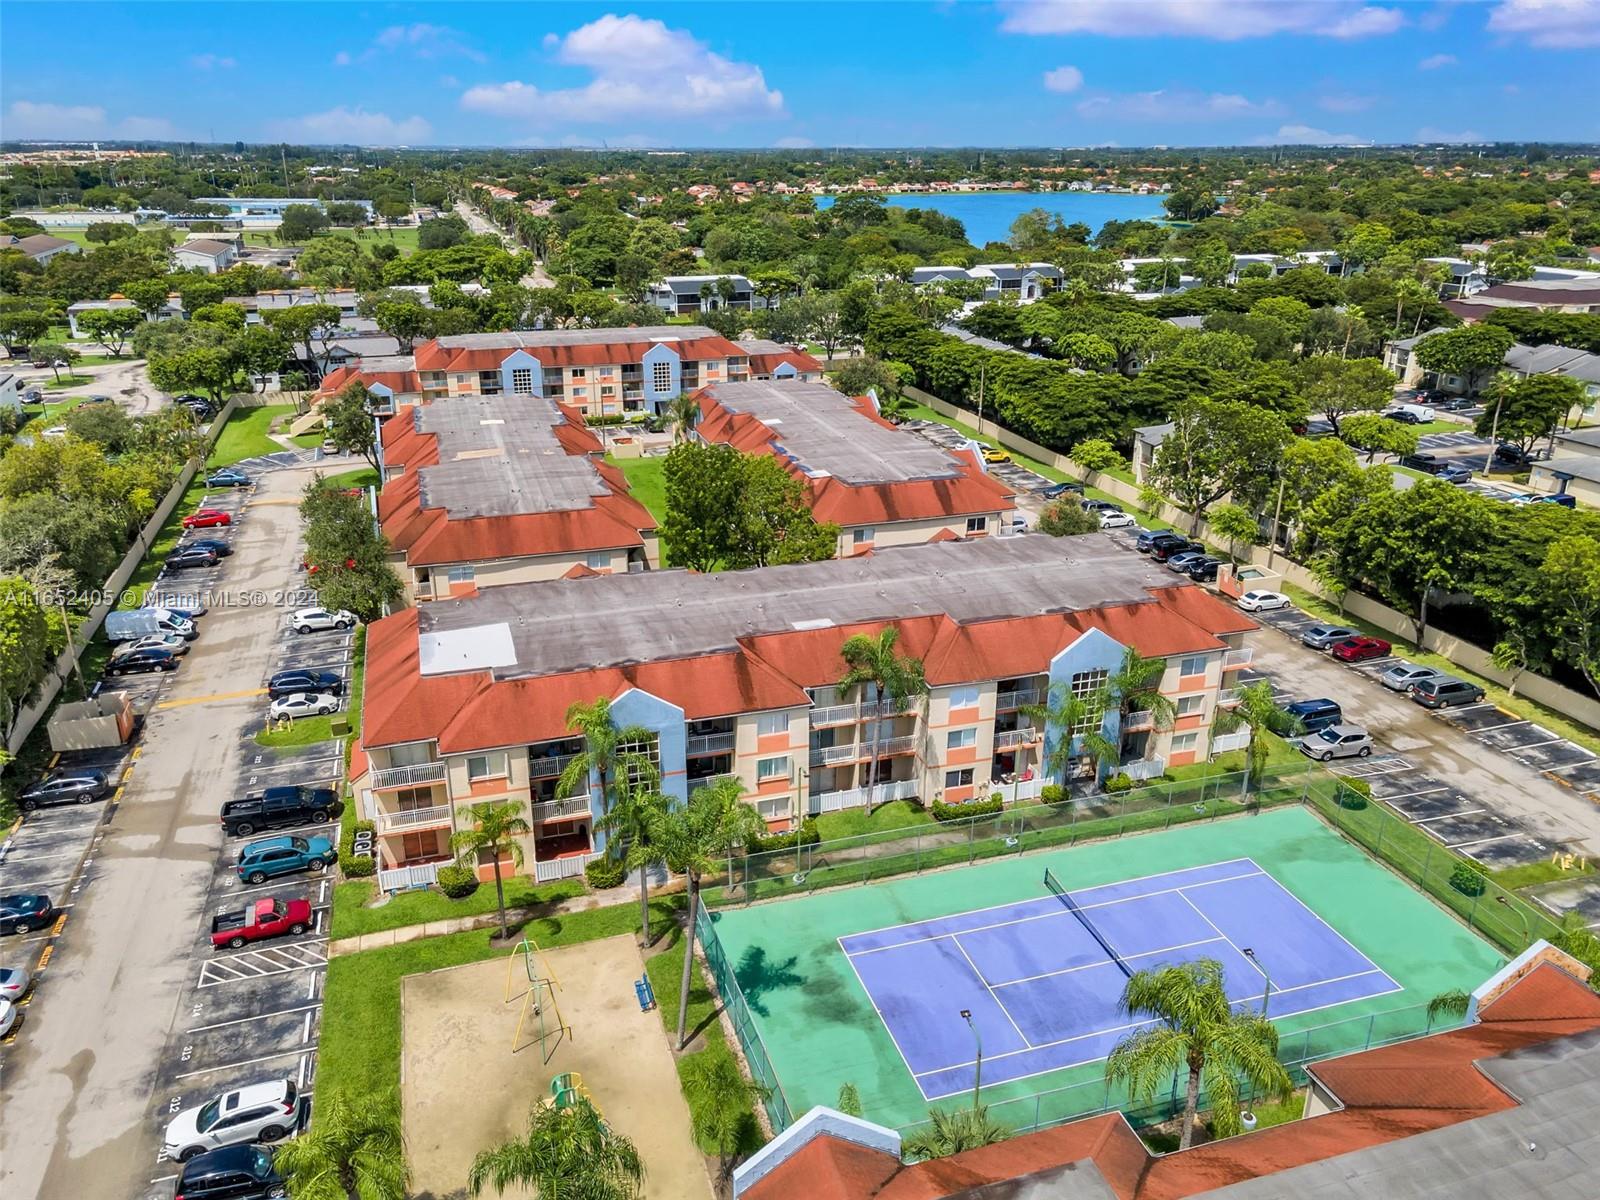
538,999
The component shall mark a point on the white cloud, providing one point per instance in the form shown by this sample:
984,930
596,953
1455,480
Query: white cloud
1345,103
641,69
1178,105
211,62
1307,135
427,41
793,143
354,125
1554,24
1063,79
1215,20
1434,61
68,122
342,59
1510,89
1429,134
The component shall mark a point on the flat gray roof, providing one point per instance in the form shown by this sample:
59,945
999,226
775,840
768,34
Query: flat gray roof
825,434
576,337
501,460
522,630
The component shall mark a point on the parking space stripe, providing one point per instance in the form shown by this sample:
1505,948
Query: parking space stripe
308,1009
1464,813
245,1062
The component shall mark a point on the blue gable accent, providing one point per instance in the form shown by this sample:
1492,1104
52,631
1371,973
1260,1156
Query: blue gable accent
665,720
661,352
784,370
521,359
1095,650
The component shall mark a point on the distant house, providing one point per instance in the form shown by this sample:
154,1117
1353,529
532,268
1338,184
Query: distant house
172,309
1400,356
1575,292
1022,281
1466,277
1146,442
9,396
682,295
1574,468
209,256
41,247
773,360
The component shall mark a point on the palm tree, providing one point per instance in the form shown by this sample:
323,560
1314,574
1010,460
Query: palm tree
1067,711
720,1101
1135,686
1448,1004
496,828
352,1148
683,410
633,823
894,679
695,838
604,759
1196,1029
1262,715
567,1154
952,1131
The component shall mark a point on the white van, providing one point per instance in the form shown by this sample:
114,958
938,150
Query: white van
1420,411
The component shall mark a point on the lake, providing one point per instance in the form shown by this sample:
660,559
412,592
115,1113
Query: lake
988,215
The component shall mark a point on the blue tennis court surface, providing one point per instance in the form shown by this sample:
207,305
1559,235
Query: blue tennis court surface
1043,993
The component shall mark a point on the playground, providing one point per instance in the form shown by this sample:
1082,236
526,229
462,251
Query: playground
899,987
465,1089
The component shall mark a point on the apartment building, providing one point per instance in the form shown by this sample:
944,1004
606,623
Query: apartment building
882,485
774,360
736,674
1024,282
685,295
491,491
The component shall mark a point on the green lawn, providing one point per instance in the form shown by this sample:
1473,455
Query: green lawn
361,477
647,481
351,917
307,441
66,381
852,822
245,435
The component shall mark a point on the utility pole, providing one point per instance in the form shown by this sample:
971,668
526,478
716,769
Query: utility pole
1272,541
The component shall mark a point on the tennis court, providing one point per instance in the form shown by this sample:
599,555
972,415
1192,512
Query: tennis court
1042,979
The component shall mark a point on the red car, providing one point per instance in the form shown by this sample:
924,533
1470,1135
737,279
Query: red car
264,918
204,518
1360,649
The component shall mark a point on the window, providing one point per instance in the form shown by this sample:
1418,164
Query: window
966,697
770,723
410,799
861,536
522,381
1188,706
461,573
661,376
977,524
599,562
958,739
580,372
1185,741
1089,687
961,778
1193,664
579,393
486,766
772,768
649,749
607,390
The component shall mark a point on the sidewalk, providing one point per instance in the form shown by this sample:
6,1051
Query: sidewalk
408,933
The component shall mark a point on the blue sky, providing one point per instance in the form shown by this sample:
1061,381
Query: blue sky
779,73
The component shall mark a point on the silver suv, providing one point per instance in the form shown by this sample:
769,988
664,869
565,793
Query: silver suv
1336,741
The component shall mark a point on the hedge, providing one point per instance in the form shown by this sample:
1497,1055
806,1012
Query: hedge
806,835
353,867
605,873
456,881
963,812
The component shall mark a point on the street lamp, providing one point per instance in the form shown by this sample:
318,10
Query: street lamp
977,1077
1266,996
1521,916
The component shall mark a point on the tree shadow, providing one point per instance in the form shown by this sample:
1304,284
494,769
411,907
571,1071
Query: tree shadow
757,976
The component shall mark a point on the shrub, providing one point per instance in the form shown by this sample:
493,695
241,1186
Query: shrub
973,808
1119,783
457,881
806,835
1468,879
605,873
1062,518
1096,454
1053,793
353,867
1354,794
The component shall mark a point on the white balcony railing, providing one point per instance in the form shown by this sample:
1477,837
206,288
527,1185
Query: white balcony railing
709,743
827,756
551,869
1221,743
835,714
551,810
413,818
1006,701
416,875
1134,722
827,802
409,776
1234,659
1229,697
895,745
545,768
1025,736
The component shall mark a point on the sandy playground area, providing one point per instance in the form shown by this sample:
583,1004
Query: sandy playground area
464,1090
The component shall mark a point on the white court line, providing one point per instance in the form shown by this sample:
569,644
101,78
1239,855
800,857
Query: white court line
889,1029
1315,915
1228,940
997,1002
1103,962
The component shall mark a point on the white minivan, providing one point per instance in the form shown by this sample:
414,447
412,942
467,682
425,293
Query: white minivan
1420,411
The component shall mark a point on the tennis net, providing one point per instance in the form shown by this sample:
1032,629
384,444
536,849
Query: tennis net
1061,894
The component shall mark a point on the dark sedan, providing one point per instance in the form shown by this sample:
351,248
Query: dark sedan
287,683
25,912
1165,550
153,659
216,545
191,556
65,787
228,477
1056,490
1203,569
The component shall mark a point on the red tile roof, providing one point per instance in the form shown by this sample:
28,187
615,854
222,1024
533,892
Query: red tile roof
767,363
435,356
398,382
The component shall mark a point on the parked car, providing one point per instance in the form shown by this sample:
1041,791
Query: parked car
267,917
1335,741
1117,520
8,1018
184,607
1203,569
1454,403
172,642
131,624
993,454
1445,691
259,1112
287,683
1180,561
1151,538
277,807
1453,473
303,704
1428,464
268,858
1263,601
205,518
65,786
23,912
1515,456
153,659
1403,676
228,477
312,620
1564,499
1320,637
1405,416
231,1173
1057,490
1099,506
1312,715
1360,649
14,983
217,546
186,557
1166,550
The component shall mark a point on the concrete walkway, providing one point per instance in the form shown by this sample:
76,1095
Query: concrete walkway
408,933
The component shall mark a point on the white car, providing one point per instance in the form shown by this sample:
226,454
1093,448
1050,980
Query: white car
8,1017
303,704
1263,601
14,983
261,1112
153,641
1117,520
1336,741
315,620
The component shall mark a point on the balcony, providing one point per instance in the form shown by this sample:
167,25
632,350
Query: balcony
709,743
1025,736
894,745
1233,660
415,775
835,714
1134,722
827,756
1011,701
1144,768
556,810
1230,697
413,818
827,802
1221,743
549,767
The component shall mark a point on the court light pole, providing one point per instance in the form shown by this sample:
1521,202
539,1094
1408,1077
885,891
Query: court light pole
1521,916
1266,996
977,1077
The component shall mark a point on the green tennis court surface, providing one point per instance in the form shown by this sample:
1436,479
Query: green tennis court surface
820,1028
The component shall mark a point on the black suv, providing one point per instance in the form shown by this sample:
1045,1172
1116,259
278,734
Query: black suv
1428,464
287,683
1151,538
231,1173
65,787
1162,551
153,658
280,806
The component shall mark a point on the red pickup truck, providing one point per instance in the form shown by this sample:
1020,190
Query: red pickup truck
264,918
